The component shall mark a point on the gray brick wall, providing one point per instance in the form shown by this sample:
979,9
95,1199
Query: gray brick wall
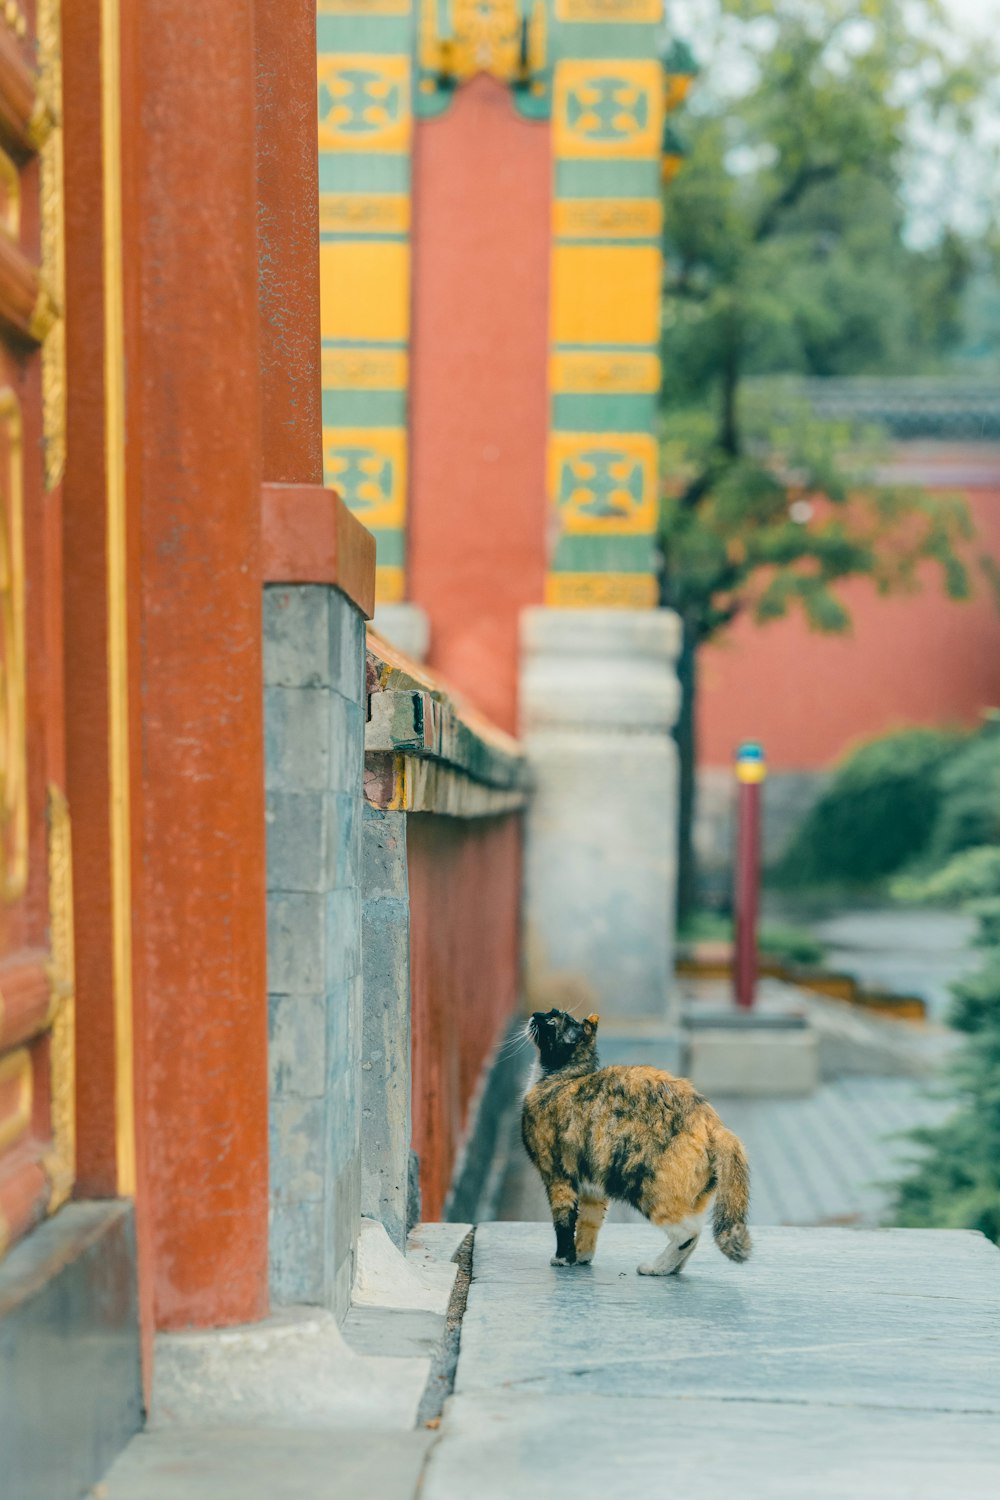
314,672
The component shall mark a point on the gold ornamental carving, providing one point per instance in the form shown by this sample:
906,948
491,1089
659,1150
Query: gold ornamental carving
460,38
53,245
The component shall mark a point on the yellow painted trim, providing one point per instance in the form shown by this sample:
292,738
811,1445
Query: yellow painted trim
607,218
365,370
606,294
614,11
365,290
601,591
10,178
17,1066
364,213
117,597
363,7
390,585
603,373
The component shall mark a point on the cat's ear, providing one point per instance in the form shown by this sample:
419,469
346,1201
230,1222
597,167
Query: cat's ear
590,1024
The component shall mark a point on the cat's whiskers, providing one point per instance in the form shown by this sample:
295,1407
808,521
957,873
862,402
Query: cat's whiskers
514,1044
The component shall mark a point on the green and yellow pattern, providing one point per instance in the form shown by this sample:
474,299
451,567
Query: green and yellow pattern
364,76
594,67
604,368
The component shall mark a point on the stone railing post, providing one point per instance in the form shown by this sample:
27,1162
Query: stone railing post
599,697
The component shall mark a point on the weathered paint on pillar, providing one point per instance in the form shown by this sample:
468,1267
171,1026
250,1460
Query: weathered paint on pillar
193,489
604,372
364,78
287,228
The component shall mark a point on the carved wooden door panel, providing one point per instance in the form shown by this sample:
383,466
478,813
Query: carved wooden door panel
36,988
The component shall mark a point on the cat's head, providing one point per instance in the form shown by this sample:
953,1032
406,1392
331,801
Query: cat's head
561,1039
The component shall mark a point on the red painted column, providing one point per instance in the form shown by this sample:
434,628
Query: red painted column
288,238
476,542
88,774
193,484
751,769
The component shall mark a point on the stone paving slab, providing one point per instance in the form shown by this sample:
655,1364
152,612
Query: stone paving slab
839,1316
838,1363
602,1448
268,1465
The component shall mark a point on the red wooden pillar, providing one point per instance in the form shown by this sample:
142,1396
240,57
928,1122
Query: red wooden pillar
288,228
192,357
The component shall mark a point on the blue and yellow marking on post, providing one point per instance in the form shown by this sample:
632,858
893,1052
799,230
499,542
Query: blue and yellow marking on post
751,763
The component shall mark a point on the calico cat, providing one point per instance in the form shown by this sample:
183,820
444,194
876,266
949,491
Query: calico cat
635,1134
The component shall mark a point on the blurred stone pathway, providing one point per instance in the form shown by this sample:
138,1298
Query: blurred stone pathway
917,952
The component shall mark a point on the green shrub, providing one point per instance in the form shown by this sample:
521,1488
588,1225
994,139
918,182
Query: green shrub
955,1183
969,812
877,815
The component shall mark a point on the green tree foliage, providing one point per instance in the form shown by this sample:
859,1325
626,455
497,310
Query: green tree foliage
787,253
903,802
955,1183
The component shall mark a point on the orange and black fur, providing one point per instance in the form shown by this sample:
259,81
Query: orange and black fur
635,1134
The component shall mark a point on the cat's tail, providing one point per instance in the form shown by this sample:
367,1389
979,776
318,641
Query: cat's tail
732,1194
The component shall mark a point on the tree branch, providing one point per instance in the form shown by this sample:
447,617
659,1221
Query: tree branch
806,177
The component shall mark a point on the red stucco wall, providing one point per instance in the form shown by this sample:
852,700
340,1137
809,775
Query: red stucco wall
915,660
464,876
478,386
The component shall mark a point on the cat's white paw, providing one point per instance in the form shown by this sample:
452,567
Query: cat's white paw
560,1260
584,1260
651,1268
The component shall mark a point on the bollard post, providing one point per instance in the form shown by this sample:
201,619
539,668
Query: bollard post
751,769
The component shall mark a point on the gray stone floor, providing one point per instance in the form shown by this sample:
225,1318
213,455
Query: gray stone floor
843,1364
840,1364
227,1464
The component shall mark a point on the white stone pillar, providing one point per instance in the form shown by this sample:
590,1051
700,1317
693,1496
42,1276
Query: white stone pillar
599,697
405,626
